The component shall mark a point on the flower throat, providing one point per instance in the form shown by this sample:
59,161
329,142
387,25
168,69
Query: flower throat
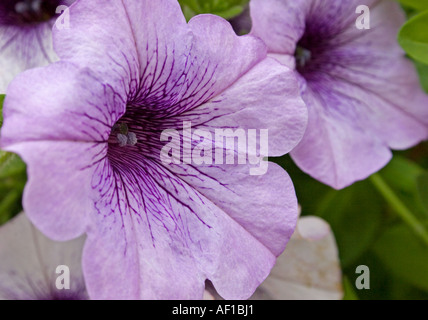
22,12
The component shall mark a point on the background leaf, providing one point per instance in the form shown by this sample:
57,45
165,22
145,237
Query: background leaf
12,180
223,8
404,255
402,177
361,220
354,213
415,4
413,37
2,96
422,185
423,74
349,291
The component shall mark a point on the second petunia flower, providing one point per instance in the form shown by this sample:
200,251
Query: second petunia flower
363,94
89,128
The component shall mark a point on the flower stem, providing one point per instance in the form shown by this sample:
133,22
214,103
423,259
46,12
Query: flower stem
399,207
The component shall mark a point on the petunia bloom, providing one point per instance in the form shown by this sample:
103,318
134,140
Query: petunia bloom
32,267
363,94
26,35
90,126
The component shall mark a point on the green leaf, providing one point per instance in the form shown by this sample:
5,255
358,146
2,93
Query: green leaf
423,74
10,165
10,205
231,12
355,215
402,175
348,289
413,37
415,4
404,255
2,96
12,182
223,8
422,185
188,12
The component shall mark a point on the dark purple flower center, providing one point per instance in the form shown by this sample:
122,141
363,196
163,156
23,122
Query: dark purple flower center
311,52
24,12
323,45
39,290
121,135
65,295
303,57
134,138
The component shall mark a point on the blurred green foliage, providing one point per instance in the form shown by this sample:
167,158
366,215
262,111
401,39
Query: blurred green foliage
419,5
423,74
223,8
422,185
369,231
12,180
413,37
2,96
348,289
403,256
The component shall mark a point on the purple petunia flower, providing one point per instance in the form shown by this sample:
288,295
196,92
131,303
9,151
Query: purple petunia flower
32,267
89,128
26,35
363,95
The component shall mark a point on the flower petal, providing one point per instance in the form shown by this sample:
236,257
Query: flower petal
158,238
50,110
335,149
279,23
23,48
58,195
266,97
160,61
